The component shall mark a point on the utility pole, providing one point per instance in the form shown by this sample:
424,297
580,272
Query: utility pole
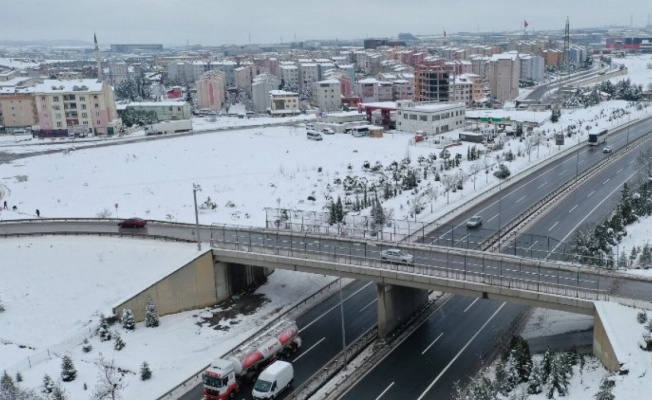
196,188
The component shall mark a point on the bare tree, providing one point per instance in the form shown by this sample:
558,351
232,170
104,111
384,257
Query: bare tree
529,145
475,168
431,193
110,380
449,182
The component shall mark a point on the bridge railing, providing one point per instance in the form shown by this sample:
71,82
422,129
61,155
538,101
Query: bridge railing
472,267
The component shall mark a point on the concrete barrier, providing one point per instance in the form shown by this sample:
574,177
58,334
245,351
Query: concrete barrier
602,347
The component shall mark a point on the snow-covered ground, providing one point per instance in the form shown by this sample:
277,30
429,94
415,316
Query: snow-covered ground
249,168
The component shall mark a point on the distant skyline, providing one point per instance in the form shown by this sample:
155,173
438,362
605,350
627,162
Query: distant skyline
213,22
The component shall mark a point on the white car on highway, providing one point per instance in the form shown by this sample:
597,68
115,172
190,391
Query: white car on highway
396,255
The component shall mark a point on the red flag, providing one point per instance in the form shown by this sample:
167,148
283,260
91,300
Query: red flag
525,24
444,33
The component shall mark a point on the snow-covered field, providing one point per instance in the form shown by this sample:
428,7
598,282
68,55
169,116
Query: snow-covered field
243,171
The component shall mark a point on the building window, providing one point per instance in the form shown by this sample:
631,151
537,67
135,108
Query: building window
59,125
58,116
436,117
83,106
55,98
423,118
97,105
82,98
413,117
84,115
84,122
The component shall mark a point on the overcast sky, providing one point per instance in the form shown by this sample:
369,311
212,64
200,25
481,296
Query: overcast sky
214,22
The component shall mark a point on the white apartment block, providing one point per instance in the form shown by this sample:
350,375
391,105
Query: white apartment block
290,76
283,103
327,94
532,68
118,73
402,89
480,66
262,85
308,74
244,77
431,118
503,76
468,88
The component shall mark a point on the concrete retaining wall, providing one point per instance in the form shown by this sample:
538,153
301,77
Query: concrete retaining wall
396,304
197,284
602,347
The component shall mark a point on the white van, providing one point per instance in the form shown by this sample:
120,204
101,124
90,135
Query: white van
273,380
314,135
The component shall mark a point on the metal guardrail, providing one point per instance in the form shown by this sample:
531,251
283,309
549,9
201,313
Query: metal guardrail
182,388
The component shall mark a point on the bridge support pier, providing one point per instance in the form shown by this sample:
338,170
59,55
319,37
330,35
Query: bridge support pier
233,278
396,304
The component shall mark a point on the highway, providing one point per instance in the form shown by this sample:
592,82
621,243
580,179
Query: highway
508,206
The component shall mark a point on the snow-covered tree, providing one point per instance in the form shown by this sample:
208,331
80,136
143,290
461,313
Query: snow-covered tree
7,386
68,371
48,384
151,314
110,380
127,319
481,389
58,393
145,372
103,330
118,344
559,378
507,375
537,380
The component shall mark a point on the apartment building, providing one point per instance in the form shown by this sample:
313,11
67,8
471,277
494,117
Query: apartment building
308,74
503,76
118,72
327,94
244,77
17,108
480,66
290,76
262,85
283,103
428,117
432,81
532,68
468,89
65,106
211,90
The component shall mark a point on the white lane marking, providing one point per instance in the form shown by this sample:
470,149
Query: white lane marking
521,199
619,171
365,307
542,185
552,227
535,242
489,220
433,342
605,182
460,352
471,305
571,210
311,347
385,391
332,308
587,215
591,193
562,172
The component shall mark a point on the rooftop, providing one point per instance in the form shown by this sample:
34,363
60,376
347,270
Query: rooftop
61,86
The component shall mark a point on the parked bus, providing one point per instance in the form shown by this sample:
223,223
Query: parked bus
597,138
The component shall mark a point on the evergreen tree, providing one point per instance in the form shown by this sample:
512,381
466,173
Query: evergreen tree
641,317
559,378
119,344
127,319
19,377
481,389
188,95
519,348
68,371
151,315
519,130
339,210
332,214
604,392
8,387
48,384
536,380
145,372
546,364
507,375
58,393
103,330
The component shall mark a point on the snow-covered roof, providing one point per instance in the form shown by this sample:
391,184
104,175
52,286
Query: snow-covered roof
14,82
330,81
61,86
368,80
15,90
282,93
435,107
156,103
289,67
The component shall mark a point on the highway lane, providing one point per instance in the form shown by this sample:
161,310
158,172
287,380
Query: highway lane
447,347
321,333
511,202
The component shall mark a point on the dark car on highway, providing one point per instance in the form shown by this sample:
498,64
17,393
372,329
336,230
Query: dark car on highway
132,223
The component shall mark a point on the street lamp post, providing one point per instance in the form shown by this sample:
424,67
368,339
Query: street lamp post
196,188
500,197
343,329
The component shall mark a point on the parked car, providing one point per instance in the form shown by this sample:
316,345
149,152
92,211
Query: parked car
474,222
132,223
328,131
314,135
607,149
396,255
